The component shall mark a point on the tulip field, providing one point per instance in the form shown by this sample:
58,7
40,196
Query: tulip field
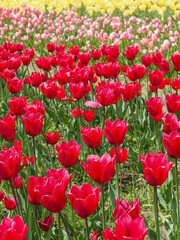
89,120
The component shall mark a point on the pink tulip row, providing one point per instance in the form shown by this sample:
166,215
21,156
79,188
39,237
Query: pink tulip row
33,25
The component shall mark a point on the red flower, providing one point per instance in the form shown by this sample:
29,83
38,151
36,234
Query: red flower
84,200
18,182
45,225
164,66
121,155
146,60
112,52
7,128
36,107
175,58
14,85
9,203
88,115
35,79
76,112
129,91
154,105
172,103
135,72
157,58
155,77
13,229
10,163
170,123
77,90
99,169
52,138
131,51
34,189
26,59
156,168
49,89
53,195
157,118
30,159
68,153
43,63
115,131
171,144
176,84
105,95
96,54
91,136
33,123
122,206
84,57
14,63
1,195
127,228
61,176
50,47
17,106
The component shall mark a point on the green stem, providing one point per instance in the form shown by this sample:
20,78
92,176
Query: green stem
35,160
177,197
134,125
87,230
156,213
120,179
13,192
59,225
20,207
58,117
66,228
36,225
103,207
117,177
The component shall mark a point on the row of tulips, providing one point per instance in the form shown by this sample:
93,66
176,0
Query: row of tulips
65,79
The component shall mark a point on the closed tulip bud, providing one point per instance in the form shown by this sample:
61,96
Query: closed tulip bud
88,115
146,60
154,105
14,85
52,138
129,91
7,128
121,155
155,77
170,123
77,90
17,106
156,168
171,144
9,203
91,136
96,54
172,103
115,132
84,200
45,225
68,153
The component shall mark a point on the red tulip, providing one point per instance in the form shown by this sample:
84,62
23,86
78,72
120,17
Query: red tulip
164,66
112,52
122,206
154,105
61,176
9,203
131,51
146,60
172,103
155,77
105,95
25,59
17,106
171,144
33,123
176,84
68,153
52,138
135,72
96,54
121,155
10,163
77,90
84,200
84,57
43,63
45,225
7,128
175,58
13,229
156,168
129,91
14,63
35,79
18,182
170,123
34,189
76,112
50,47
30,159
1,195
157,58
99,169
91,136
49,89
115,131
157,118
88,115
36,107
14,85
127,228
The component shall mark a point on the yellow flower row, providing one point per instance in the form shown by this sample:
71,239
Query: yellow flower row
102,6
